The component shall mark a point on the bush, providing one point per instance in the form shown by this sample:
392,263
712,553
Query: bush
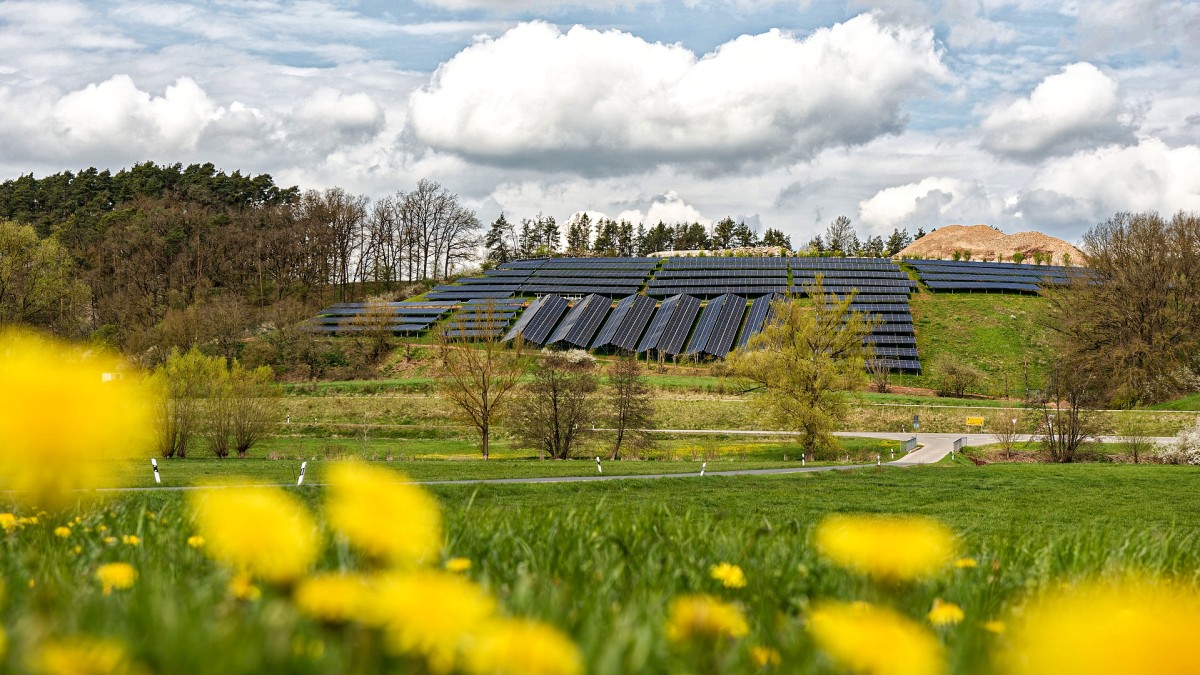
1185,449
954,377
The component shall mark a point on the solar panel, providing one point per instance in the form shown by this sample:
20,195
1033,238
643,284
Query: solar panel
626,323
550,311
708,323
756,319
582,321
712,263
671,324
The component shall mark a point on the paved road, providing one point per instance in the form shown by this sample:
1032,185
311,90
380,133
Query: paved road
932,448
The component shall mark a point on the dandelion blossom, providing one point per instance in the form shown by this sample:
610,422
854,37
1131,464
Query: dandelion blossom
945,613
994,627
242,587
730,576
8,521
1128,626
64,419
195,541
387,519
116,575
332,598
84,656
764,657
522,647
966,563
62,532
703,617
458,564
130,539
428,614
887,548
261,531
896,645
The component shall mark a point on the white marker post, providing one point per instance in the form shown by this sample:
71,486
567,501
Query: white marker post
301,481
802,460
893,453
598,469
702,465
154,463
878,460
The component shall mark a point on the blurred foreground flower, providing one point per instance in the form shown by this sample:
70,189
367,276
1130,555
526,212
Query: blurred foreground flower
428,614
62,532
873,640
386,518
458,565
85,656
731,576
945,613
261,531
65,414
332,598
888,548
8,522
763,657
1130,626
522,647
704,617
116,575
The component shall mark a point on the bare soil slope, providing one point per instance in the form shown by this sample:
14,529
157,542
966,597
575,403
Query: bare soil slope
987,243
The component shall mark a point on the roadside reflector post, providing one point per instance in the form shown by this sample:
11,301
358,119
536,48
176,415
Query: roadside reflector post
154,463
702,465
301,480
801,460
879,459
598,468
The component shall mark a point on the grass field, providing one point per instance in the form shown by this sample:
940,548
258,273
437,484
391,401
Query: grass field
602,562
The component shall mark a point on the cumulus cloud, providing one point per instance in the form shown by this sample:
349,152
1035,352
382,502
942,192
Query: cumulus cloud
933,201
600,101
669,208
1148,176
1077,108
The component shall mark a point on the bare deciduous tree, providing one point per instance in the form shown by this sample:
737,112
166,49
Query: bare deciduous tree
478,377
557,405
630,409
1066,420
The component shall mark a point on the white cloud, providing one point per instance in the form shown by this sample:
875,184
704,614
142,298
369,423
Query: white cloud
115,113
1077,108
669,208
932,202
1146,176
592,102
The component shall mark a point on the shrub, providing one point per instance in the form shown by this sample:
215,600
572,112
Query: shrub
1185,449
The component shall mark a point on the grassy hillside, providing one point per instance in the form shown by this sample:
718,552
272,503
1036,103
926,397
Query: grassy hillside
998,334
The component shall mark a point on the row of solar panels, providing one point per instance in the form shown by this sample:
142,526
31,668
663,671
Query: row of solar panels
989,277
636,324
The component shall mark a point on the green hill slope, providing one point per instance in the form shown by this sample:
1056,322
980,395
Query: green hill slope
999,334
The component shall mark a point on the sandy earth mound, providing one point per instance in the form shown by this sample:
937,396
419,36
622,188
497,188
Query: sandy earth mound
987,243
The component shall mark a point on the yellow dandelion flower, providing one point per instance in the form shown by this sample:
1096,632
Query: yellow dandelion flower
62,532
109,540
116,575
242,587
887,548
63,418
764,657
195,541
966,563
730,576
261,531
78,550
522,647
703,617
428,614
945,613
382,516
131,539
897,645
8,521
84,656
1127,626
332,598
994,626
458,564
31,520
102,528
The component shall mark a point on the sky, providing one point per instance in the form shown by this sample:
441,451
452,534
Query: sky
1048,116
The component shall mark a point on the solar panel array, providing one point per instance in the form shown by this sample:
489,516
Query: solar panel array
756,319
539,320
582,322
485,318
626,324
396,317
718,326
671,325
990,277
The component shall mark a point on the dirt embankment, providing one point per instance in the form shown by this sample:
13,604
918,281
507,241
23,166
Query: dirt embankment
985,242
